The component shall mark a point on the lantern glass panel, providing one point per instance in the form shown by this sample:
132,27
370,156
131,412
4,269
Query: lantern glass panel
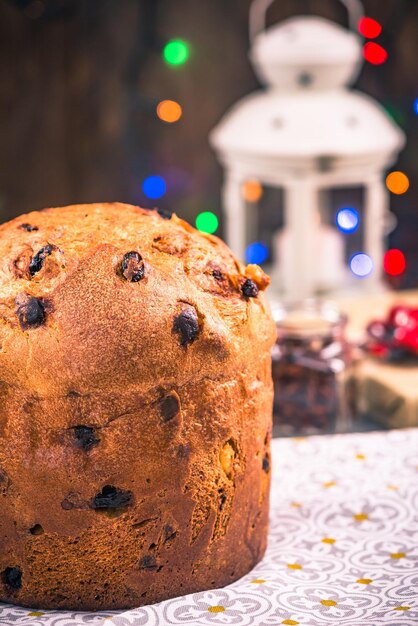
348,197
265,218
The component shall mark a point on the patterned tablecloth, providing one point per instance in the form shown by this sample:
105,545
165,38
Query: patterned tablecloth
343,545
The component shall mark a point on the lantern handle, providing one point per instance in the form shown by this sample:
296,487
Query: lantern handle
258,10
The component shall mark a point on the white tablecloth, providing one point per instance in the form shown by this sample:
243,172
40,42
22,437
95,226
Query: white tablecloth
343,546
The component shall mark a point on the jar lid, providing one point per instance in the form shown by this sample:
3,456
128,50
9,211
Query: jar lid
309,318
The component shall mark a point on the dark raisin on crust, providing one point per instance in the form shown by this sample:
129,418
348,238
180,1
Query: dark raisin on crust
166,215
133,267
169,407
36,530
28,227
4,482
86,437
169,533
72,393
222,498
67,505
38,259
217,274
111,497
183,452
147,563
30,311
74,500
186,325
12,577
266,464
249,288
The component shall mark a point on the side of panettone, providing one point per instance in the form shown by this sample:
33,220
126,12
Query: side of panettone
135,417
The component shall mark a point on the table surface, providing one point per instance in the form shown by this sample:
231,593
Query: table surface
343,545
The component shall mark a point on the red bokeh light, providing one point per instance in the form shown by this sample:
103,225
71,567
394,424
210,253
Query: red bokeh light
369,28
373,53
394,262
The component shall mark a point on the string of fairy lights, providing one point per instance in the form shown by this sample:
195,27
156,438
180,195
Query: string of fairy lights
176,53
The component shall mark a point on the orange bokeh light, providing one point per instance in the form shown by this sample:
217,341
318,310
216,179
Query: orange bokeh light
169,111
252,191
397,182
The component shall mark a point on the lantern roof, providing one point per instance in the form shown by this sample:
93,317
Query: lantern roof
311,124
306,51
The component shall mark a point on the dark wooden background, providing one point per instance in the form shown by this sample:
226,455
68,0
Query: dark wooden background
80,80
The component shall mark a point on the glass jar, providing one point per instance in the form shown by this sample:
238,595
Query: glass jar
310,360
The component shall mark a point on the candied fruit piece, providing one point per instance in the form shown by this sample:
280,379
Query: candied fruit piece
227,456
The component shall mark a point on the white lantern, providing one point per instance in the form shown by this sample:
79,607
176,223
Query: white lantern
307,133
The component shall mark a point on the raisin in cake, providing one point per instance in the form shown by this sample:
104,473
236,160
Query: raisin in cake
135,414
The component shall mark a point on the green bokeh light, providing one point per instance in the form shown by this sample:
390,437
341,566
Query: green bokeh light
176,52
207,222
396,114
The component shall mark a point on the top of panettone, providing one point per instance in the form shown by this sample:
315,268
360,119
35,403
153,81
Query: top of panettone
104,296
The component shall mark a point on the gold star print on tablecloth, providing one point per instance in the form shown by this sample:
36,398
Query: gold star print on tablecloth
341,550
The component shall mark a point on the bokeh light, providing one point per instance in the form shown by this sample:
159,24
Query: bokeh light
397,114
176,52
369,27
348,220
397,182
169,111
374,53
256,252
416,106
394,262
252,191
154,187
361,265
207,222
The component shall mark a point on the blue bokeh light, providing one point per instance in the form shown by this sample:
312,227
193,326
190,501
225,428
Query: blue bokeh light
416,106
256,252
348,220
361,265
154,187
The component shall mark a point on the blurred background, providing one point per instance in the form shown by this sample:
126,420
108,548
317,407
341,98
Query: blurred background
84,117
114,100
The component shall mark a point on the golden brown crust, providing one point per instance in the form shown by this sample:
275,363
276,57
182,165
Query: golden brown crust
135,409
